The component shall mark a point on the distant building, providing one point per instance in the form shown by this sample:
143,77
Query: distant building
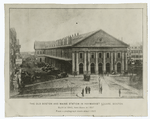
14,49
94,53
135,52
14,53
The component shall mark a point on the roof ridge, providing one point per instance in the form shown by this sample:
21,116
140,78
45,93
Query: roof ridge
86,36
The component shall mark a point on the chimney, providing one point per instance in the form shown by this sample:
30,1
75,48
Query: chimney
67,40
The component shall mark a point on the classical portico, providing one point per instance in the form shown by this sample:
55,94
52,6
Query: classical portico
85,61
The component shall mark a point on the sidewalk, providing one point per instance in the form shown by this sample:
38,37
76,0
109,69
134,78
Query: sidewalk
133,91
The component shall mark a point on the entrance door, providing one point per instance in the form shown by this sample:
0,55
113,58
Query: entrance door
119,67
100,68
92,68
108,68
40,59
81,68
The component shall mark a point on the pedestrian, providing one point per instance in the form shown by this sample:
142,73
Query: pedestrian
86,89
82,92
89,90
17,77
119,92
100,85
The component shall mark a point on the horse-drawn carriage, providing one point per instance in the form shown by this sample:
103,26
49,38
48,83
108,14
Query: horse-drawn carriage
86,77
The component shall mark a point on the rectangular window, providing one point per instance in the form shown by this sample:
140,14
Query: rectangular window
100,55
118,55
92,55
81,55
107,55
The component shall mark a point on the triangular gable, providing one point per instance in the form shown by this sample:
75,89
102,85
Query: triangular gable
100,39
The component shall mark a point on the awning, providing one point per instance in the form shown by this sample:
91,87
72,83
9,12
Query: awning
54,57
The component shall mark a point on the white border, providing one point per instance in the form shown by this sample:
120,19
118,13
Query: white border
2,36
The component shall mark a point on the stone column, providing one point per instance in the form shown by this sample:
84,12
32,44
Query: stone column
122,64
126,62
89,64
73,63
85,63
77,63
115,62
111,61
104,63
96,63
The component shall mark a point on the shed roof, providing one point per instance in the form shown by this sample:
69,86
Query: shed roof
97,38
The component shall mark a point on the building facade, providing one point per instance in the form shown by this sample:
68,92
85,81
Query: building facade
93,53
14,53
14,47
135,53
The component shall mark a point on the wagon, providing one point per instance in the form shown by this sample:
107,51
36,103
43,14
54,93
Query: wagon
42,75
86,77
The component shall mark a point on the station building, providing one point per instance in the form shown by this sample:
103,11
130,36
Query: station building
94,53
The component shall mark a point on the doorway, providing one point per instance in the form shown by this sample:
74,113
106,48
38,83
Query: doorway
100,68
81,68
119,67
108,68
92,68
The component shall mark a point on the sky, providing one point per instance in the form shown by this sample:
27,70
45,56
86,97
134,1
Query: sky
51,24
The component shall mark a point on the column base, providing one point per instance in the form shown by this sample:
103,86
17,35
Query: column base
85,72
89,72
122,71
77,72
73,72
104,72
96,72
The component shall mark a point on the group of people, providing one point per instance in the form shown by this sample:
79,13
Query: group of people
87,90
